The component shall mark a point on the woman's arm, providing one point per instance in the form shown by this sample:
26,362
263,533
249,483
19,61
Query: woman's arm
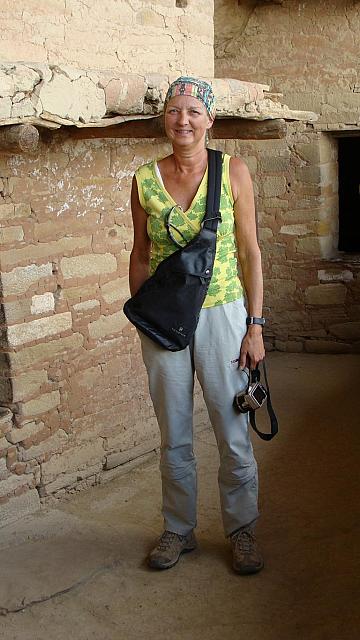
252,348
140,254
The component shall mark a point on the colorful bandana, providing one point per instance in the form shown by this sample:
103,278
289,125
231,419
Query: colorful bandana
199,89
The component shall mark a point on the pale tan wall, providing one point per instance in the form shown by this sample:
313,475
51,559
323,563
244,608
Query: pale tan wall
138,36
311,294
73,390
308,50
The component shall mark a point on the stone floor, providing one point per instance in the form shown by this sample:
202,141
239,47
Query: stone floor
76,571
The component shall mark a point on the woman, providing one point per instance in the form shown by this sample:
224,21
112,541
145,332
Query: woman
177,185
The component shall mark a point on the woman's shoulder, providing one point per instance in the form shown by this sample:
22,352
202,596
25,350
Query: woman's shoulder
145,169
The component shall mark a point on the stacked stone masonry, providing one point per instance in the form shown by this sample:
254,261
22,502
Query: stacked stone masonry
315,60
72,383
159,37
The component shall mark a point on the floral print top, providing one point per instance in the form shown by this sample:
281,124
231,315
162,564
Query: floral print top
225,285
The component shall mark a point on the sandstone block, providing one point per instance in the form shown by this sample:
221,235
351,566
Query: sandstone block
27,384
86,306
330,275
10,211
309,152
36,329
107,325
73,479
87,265
19,506
349,331
7,211
19,435
281,286
328,294
274,186
13,483
5,108
310,174
24,78
43,250
124,94
265,234
23,108
295,229
5,420
16,311
46,351
274,164
54,444
42,303
117,459
21,279
72,460
41,404
115,290
75,100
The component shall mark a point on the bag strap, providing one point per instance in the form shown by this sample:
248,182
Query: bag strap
212,216
273,419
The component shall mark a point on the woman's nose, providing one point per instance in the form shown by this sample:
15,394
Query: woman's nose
183,117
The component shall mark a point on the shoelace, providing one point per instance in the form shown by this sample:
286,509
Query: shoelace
244,541
167,539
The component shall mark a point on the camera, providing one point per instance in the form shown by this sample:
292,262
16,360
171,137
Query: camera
253,398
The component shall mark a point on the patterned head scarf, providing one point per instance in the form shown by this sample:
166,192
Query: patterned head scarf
185,86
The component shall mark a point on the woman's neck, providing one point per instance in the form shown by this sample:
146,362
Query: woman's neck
189,160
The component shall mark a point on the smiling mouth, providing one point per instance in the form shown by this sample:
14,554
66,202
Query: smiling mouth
183,131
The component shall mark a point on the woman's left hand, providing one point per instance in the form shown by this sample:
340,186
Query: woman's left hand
252,348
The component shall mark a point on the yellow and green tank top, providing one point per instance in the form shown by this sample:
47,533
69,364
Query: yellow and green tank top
225,285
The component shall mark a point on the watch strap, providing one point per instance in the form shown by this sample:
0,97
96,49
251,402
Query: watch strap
255,320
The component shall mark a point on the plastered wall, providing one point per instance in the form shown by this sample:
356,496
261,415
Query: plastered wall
133,35
308,50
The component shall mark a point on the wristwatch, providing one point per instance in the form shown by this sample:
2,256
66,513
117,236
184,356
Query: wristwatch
254,320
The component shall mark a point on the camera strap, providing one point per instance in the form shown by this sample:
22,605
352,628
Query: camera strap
274,427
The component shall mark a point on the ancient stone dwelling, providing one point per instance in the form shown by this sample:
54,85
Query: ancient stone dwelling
81,87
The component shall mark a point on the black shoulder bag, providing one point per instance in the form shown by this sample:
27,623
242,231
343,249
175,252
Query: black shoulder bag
167,306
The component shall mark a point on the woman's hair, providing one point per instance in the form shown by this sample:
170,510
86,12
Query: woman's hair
186,86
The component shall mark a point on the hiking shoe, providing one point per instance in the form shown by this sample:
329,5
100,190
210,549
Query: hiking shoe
169,549
246,554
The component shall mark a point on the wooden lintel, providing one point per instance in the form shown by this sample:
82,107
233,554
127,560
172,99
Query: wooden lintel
241,129
229,128
19,138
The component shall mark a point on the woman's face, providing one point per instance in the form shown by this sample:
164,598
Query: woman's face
186,120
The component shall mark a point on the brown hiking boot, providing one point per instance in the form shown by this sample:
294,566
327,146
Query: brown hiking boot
246,554
169,549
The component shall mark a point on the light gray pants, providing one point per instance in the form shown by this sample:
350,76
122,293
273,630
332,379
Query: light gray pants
213,355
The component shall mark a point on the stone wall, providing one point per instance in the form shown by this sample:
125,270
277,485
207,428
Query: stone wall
72,376
308,51
312,293
138,36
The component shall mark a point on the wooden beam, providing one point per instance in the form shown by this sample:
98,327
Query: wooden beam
19,138
241,129
229,128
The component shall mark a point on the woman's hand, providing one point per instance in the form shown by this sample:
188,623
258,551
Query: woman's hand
252,348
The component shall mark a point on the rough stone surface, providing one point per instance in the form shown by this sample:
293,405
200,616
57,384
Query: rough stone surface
43,327
87,265
326,294
20,279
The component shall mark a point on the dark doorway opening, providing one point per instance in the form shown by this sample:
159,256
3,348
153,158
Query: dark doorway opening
349,194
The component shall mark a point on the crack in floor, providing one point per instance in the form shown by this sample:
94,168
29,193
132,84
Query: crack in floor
79,583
